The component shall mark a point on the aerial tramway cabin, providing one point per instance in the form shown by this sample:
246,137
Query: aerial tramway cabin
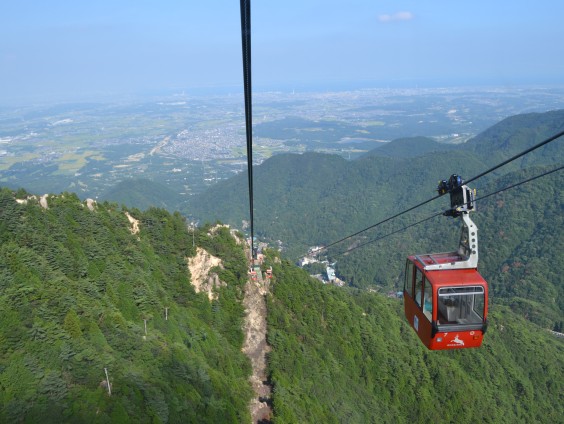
253,273
445,297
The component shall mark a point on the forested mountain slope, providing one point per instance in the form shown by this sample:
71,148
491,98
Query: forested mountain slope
142,194
78,284
315,199
410,147
349,356
517,133
522,245
520,234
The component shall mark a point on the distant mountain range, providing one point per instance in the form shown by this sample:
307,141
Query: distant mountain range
410,147
315,199
324,196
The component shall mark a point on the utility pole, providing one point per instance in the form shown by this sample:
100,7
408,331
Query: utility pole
145,326
166,313
108,381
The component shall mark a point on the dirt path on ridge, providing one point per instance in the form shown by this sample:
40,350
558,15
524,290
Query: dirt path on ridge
256,348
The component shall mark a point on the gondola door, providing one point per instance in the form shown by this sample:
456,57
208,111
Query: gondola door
418,303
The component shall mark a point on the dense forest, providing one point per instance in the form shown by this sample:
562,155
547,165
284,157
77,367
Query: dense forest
81,293
318,198
79,284
347,356
315,199
100,321
520,232
142,194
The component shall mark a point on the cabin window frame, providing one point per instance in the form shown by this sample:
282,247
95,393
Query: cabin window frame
427,306
419,279
466,304
408,283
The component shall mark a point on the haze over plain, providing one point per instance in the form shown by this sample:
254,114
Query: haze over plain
69,50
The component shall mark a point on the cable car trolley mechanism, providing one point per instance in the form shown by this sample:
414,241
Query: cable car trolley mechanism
445,298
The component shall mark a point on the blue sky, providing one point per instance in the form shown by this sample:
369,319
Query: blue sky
73,48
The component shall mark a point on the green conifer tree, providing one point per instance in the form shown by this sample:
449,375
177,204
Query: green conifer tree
72,324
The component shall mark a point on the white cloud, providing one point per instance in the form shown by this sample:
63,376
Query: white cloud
398,16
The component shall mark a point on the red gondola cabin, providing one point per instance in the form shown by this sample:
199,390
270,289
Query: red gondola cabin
445,298
446,308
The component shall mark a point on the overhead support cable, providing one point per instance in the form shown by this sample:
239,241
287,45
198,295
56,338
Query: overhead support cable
381,222
520,183
445,212
517,156
246,45
389,234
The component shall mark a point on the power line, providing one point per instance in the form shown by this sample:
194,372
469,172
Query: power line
517,156
382,222
536,146
448,210
389,234
246,45
522,182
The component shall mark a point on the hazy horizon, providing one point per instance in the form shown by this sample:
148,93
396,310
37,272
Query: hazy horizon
236,90
60,50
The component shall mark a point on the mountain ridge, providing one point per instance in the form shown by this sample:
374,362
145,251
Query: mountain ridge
410,147
315,199
83,294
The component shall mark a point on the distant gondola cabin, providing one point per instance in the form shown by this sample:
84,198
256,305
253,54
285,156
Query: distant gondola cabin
447,308
253,273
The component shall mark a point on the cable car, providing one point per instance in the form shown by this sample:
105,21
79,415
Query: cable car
445,297
269,273
252,273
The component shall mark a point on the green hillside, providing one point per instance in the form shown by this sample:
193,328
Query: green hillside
523,245
517,133
76,288
410,147
317,198
77,285
349,356
142,194
314,199
520,235
87,288
331,197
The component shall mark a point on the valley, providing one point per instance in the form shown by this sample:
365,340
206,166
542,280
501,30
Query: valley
188,144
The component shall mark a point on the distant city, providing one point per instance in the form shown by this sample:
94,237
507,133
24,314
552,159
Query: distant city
188,143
